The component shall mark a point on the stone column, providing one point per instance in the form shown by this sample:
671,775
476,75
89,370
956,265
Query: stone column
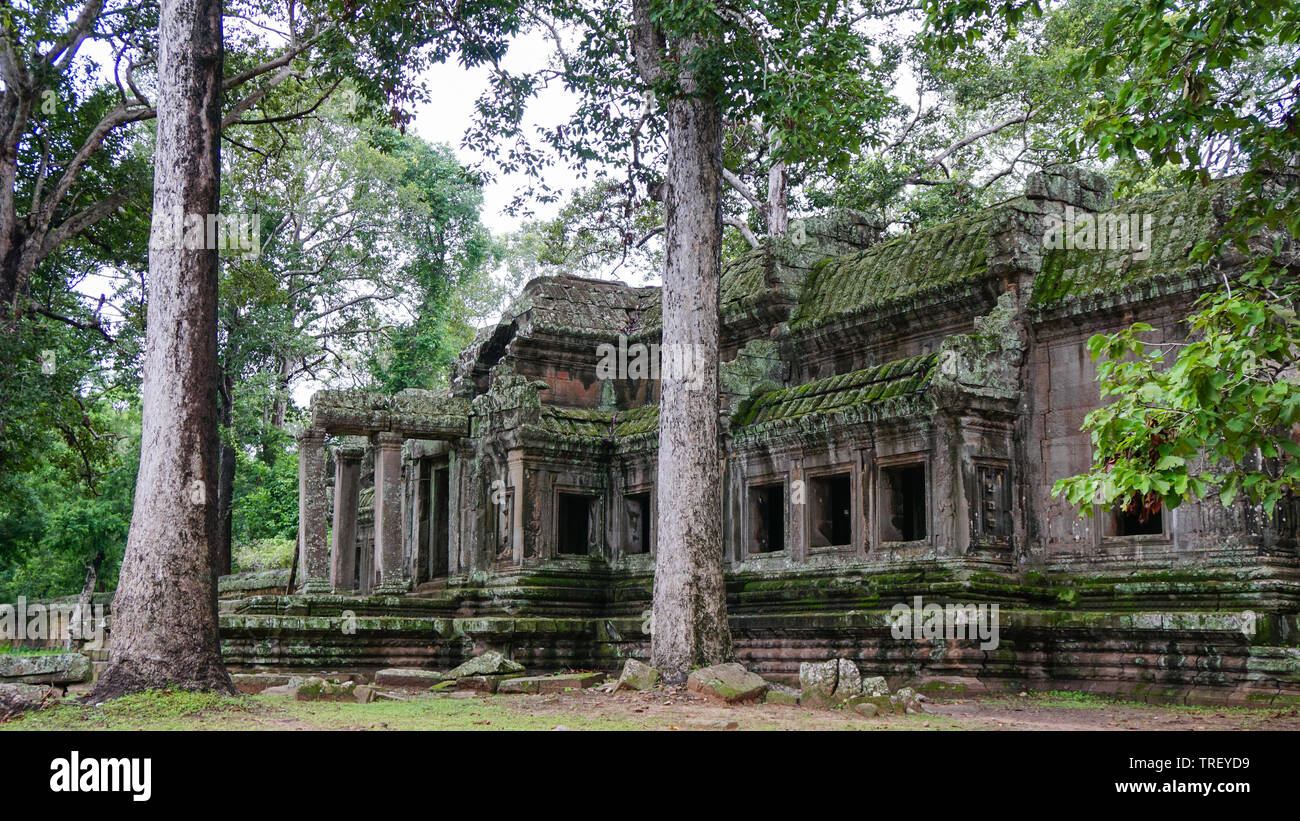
393,576
515,470
314,558
347,487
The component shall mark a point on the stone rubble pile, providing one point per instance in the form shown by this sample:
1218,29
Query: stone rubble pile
839,683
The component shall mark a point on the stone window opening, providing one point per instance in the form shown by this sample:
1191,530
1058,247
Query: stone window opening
767,518
903,503
637,532
1128,520
832,510
573,524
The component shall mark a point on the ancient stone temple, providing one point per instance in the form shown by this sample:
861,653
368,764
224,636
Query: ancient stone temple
896,410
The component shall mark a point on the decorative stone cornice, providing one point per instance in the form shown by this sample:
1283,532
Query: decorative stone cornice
415,414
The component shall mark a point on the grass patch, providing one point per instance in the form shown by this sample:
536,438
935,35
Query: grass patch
12,650
154,710
1071,700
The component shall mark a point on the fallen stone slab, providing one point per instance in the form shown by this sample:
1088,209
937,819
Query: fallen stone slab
637,675
253,683
365,693
16,699
289,688
407,678
320,689
883,704
490,663
482,684
730,683
556,683
50,668
780,694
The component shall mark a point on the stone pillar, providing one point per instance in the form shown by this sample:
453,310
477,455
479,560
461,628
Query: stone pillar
347,487
393,576
515,471
314,557
455,517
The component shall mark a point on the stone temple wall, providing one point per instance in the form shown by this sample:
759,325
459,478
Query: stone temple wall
896,410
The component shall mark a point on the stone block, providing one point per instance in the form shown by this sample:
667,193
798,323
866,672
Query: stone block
490,663
780,694
407,678
57,669
16,699
637,675
253,683
556,683
730,683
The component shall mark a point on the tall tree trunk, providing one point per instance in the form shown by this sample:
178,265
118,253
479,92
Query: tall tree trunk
690,606
165,611
778,201
225,477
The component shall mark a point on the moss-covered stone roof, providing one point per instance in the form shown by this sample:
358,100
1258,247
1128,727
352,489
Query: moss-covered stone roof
869,386
892,271
583,423
1179,219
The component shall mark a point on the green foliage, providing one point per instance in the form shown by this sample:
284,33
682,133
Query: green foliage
447,274
262,554
1220,421
266,496
53,524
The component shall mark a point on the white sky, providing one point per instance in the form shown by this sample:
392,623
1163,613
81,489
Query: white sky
454,89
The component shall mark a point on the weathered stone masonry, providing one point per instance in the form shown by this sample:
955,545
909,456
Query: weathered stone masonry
895,410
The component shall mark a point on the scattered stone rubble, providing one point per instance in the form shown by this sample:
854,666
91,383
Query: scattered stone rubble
839,683
832,684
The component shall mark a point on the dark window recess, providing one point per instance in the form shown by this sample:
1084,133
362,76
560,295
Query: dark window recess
1128,522
574,512
767,515
441,531
637,535
903,503
832,510
424,569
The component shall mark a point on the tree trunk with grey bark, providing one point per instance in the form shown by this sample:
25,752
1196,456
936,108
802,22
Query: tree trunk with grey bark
778,201
165,611
689,615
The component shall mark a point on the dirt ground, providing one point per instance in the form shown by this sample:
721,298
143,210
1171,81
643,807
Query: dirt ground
1044,711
